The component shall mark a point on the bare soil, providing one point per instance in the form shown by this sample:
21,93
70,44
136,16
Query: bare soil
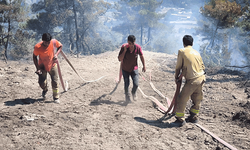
95,115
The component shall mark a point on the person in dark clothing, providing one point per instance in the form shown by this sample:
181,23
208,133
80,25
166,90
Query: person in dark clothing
128,57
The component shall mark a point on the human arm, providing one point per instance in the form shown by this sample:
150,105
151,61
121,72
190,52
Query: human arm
203,66
38,70
57,52
177,76
58,45
122,52
143,63
178,67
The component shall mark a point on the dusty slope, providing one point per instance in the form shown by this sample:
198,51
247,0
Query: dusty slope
89,117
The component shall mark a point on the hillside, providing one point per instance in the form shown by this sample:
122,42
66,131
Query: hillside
95,115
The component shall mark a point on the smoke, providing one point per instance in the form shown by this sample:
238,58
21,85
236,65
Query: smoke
181,21
186,19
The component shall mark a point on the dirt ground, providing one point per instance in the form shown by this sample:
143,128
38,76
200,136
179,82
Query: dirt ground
95,115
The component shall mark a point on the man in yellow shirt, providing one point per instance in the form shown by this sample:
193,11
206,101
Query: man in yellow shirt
191,66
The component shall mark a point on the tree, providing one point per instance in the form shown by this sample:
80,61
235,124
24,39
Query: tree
90,11
51,14
141,15
125,16
245,19
149,17
244,24
22,44
75,20
12,13
222,15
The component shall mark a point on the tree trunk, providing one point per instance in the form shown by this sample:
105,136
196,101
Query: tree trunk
149,34
88,47
71,43
7,43
215,34
5,55
77,33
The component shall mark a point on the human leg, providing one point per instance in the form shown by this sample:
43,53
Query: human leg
196,98
181,101
54,82
42,80
126,83
135,78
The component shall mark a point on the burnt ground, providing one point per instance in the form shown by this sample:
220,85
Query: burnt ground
95,115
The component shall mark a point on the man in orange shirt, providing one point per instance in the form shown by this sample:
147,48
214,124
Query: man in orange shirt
46,50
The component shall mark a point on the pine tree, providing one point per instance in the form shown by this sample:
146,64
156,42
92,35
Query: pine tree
141,15
74,18
222,15
11,15
244,24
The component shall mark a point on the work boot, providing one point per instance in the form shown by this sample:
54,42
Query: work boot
193,118
178,122
44,93
56,100
134,96
127,97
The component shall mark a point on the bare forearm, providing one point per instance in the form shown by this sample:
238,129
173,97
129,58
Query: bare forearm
121,57
142,60
143,63
35,62
59,48
58,51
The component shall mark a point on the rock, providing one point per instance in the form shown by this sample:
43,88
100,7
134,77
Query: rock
31,117
191,137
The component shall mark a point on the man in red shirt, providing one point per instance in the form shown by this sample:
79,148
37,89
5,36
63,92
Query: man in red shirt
128,57
46,50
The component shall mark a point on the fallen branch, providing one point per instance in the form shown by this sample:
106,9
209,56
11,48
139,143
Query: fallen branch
238,66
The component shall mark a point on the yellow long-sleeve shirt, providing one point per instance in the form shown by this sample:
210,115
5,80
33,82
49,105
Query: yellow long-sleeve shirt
190,63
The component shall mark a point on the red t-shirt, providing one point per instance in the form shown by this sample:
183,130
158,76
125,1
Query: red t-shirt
129,62
46,55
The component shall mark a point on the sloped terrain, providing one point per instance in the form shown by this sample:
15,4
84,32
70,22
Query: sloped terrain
95,115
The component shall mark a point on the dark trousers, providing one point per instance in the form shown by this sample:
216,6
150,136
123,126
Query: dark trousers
135,77
54,81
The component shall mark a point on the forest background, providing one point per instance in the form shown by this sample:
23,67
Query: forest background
221,28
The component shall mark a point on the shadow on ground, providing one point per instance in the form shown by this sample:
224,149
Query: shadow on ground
158,123
25,101
106,99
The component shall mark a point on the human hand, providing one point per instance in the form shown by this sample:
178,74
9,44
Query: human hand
125,46
143,69
39,72
177,81
55,57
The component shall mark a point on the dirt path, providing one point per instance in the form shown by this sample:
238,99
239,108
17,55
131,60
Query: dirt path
91,116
